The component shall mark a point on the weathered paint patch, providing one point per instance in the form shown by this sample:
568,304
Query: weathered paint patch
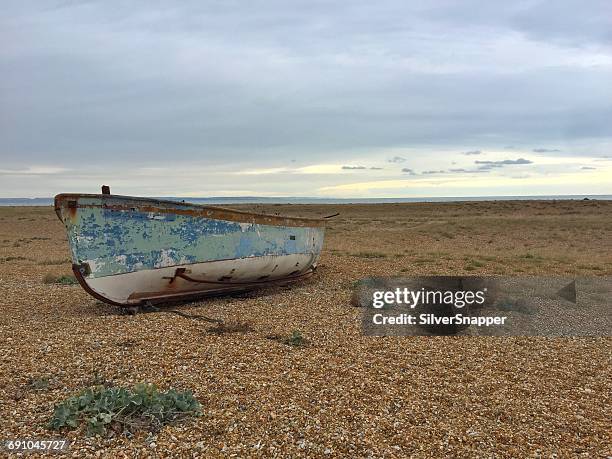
121,241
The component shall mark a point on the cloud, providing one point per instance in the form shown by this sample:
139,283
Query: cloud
376,168
488,165
466,171
319,169
313,169
452,171
271,170
588,168
473,152
545,150
34,170
322,82
408,171
505,162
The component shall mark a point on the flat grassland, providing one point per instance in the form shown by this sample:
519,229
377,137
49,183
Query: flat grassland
341,393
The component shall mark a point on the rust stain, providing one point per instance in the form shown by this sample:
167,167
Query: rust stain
169,207
143,297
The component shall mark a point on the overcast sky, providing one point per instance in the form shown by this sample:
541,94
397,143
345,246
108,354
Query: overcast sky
306,98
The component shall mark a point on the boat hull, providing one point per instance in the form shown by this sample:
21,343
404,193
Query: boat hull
129,251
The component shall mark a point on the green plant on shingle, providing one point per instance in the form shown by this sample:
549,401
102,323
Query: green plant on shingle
66,280
369,255
296,339
123,410
3,259
62,280
38,383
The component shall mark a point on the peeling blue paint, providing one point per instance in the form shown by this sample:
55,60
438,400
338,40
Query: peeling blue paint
122,241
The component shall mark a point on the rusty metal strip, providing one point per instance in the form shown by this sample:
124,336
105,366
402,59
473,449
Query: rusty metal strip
180,272
161,206
164,297
76,269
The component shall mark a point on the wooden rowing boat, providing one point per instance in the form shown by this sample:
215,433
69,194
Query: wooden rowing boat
131,251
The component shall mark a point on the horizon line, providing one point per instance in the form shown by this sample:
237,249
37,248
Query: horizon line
334,197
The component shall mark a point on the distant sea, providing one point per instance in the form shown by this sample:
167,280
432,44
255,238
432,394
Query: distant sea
306,200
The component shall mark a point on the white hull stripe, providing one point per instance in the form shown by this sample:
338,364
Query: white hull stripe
137,287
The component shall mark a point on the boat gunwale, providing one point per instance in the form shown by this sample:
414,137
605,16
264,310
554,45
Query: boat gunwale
197,210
